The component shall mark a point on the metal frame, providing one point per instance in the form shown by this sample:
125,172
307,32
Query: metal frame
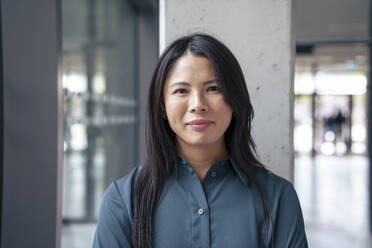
1,122
147,49
148,55
369,115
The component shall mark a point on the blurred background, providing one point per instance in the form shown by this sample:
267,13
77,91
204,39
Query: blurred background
332,66
101,114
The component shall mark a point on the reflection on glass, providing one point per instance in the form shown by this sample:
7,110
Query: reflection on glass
100,102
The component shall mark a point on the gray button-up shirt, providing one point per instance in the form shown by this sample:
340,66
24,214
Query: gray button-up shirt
222,211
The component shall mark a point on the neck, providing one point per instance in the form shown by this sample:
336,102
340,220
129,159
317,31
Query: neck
202,157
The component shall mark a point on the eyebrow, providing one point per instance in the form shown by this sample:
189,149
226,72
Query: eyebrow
188,84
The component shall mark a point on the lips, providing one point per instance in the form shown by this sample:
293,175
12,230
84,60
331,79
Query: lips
199,125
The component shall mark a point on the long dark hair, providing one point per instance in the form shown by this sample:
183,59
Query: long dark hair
161,152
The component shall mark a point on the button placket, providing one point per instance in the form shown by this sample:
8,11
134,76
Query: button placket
200,231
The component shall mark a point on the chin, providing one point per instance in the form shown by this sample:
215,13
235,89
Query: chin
200,141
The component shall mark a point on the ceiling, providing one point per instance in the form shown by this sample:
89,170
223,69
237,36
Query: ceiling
331,20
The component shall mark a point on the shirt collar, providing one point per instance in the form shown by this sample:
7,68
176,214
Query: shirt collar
228,161
238,170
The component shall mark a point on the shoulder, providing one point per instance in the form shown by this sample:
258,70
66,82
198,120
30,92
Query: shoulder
275,187
269,179
120,190
126,183
285,210
115,214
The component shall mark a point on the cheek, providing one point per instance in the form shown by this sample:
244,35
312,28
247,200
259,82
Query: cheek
175,110
225,112
222,106
226,108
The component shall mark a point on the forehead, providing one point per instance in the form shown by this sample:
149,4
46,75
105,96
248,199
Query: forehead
191,67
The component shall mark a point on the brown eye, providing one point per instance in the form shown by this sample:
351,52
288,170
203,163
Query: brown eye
180,91
213,88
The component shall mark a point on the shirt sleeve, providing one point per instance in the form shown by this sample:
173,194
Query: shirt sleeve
113,225
289,229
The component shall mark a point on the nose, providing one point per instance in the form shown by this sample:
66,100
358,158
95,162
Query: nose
198,103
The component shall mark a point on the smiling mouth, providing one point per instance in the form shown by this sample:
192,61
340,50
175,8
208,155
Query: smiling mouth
199,125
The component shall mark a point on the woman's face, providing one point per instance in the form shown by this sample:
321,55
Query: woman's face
195,107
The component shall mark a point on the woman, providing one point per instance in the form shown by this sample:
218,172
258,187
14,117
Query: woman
201,184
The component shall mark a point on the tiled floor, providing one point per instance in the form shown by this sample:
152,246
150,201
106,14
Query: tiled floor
78,235
333,192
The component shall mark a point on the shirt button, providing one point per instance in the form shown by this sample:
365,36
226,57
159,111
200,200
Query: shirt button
214,174
200,211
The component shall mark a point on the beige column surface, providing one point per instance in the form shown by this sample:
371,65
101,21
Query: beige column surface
260,34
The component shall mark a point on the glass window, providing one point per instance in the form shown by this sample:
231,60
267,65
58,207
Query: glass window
100,108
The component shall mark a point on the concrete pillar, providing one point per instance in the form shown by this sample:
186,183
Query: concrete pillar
260,35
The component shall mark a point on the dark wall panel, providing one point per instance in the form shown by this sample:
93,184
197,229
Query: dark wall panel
32,123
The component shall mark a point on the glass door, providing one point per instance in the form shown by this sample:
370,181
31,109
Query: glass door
330,102
100,108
